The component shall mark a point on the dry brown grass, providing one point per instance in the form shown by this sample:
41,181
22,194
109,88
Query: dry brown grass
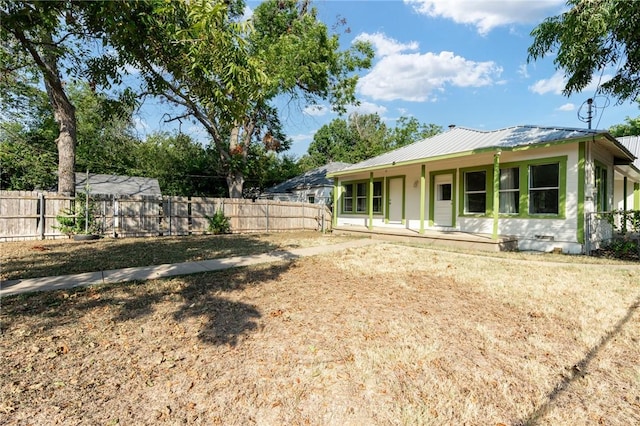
378,335
32,259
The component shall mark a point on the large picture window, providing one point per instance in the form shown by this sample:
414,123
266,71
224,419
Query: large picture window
544,189
475,192
355,197
510,190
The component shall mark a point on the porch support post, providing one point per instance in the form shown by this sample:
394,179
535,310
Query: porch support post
496,194
336,198
636,196
370,201
582,230
624,191
423,188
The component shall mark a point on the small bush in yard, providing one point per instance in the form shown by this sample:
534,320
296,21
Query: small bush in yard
219,223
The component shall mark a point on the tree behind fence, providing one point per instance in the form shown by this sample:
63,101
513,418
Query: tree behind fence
32,215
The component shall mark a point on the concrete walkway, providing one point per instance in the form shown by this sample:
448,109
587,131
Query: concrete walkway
142,273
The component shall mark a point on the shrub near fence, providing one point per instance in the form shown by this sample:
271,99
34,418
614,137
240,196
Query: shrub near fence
32,215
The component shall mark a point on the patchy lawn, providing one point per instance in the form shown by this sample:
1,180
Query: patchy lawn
379,335
31,259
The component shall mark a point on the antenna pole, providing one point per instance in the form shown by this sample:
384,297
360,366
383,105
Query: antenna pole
589,111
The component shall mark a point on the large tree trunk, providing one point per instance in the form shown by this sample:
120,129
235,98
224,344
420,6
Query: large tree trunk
46,53
235,182
238,152
65,115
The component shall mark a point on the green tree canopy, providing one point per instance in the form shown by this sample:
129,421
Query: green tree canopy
362,136
225,72
589,37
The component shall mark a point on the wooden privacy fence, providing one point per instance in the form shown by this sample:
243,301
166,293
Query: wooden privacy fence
32,215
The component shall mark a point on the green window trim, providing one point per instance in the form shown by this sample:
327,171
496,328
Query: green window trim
523,208
488,191
601,186
355,197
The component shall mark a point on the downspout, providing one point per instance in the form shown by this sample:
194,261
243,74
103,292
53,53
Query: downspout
423,187
496,193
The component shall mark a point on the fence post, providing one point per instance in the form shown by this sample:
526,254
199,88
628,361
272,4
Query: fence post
116,214
41,216
267,215
169,207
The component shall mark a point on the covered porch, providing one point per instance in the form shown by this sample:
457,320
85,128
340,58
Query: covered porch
455,239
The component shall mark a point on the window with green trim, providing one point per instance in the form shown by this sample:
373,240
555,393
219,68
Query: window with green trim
601,196
510,190
355,197
475,192
544,189
377,196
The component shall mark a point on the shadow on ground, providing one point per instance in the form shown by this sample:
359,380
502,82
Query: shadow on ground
579,370
203,296
72,257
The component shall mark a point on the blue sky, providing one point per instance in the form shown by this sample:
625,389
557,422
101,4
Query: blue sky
452,62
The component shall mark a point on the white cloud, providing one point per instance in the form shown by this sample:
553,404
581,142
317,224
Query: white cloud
316,110
557,82
140,124
523,71
554,85
415,76
487,15
566,107
385,46
368,108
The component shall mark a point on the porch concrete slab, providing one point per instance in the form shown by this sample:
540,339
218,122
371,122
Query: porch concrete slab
456,239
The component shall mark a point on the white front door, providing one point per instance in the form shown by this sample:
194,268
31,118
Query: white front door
395,200
443,200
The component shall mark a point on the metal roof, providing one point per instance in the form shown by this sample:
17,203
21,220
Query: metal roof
632,143
313,178
113,184
461,140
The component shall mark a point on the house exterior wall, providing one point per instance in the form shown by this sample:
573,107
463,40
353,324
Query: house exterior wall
541,233
321,195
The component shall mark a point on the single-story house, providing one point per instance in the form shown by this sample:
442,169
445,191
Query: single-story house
540,185
312,187
100,184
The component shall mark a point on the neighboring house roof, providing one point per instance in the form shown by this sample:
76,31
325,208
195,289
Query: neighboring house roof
114,184
464,141
311,179
632,143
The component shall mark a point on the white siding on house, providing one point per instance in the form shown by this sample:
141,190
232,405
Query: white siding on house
533,234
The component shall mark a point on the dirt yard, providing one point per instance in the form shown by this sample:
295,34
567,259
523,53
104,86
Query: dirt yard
383,335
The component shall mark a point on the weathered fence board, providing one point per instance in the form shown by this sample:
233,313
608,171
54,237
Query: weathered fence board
32,215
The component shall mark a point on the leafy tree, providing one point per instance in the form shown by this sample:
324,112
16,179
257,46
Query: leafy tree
590,36
27,156
225,72
181,165
105,140
631,127
41,42
409,130
33,35
330,143
361,137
